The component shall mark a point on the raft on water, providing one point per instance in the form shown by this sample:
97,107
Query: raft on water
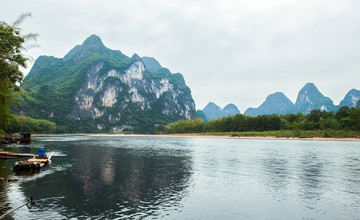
11,155
37,162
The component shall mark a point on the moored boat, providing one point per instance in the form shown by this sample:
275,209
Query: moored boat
25,138
38,161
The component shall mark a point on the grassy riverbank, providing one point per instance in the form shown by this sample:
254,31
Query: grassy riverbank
318,135
241,135
290,134
336,134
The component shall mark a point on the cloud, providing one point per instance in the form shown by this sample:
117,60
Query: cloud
228,50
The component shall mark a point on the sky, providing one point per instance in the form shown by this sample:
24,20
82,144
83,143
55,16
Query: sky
229,51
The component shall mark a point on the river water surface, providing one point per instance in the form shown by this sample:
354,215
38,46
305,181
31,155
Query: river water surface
186,178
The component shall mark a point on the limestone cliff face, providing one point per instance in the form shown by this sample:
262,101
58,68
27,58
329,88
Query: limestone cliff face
115,93
310,98
351,98
120,88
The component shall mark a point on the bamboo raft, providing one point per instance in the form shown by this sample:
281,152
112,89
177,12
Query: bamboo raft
12,155
35,163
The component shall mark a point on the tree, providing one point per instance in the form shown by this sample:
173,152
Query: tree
12,44
5,100
343,112
355,119
314,116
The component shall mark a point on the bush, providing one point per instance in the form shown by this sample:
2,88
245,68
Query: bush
26,124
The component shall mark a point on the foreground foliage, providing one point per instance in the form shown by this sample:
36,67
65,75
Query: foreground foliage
344,123
11,61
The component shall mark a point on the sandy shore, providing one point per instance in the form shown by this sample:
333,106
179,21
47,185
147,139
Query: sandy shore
212,136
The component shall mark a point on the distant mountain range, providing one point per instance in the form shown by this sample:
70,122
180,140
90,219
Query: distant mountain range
309,98
276,102
213,111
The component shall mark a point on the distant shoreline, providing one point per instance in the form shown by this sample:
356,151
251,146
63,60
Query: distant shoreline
208,136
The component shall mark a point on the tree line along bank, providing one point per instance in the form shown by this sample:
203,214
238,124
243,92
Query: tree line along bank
344,123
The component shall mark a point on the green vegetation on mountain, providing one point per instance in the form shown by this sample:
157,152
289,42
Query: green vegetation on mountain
345,123
65,75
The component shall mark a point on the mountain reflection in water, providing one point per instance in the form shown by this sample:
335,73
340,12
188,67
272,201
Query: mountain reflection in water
127,180
110,179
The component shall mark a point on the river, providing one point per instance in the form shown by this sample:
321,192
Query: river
186,178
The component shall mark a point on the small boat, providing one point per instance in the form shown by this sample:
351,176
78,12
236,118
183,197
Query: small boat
38,161
25,138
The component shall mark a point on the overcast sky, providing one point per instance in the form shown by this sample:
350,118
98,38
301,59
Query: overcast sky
229,51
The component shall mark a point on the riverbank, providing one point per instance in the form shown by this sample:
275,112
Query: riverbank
228,136
214,136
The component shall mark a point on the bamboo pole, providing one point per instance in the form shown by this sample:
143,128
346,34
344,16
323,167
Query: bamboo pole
11,211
